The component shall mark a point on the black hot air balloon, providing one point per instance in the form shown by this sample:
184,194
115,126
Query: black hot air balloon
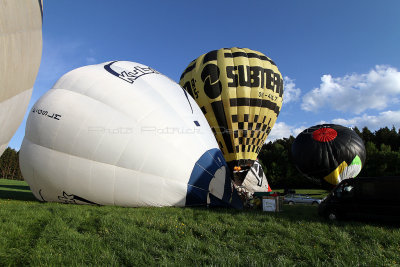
329,153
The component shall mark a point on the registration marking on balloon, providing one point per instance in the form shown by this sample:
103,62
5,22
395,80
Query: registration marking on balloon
46,113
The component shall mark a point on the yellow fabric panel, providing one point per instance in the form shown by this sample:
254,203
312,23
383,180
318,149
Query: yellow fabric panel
333,177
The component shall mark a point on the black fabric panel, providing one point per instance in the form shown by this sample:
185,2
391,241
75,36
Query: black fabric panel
248,55
210,56
219,113
254,102
188,69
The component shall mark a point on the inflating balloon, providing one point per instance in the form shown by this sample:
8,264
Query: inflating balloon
120,133
20,54
255,180
329,153
240,92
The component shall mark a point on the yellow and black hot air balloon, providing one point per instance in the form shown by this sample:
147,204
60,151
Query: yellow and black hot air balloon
240,91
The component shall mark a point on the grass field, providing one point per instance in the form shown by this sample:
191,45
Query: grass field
53,234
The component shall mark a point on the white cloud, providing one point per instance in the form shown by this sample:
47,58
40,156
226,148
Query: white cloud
283,130
290,93
356,93
373,122
387,118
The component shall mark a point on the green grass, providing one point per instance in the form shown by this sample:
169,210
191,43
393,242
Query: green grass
53,234
15,190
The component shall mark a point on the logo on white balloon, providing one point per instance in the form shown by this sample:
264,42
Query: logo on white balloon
130,75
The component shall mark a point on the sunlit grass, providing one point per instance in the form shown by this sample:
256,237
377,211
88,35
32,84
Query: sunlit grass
53,234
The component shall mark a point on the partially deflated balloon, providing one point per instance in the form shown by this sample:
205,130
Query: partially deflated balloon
20,54
120,133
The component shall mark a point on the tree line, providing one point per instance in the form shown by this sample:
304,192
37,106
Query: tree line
9,165
383,158
382,146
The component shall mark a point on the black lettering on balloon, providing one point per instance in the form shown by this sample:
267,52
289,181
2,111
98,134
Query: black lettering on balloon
190,87
254,76
230,73
72,199
46,113
277,81
262,74
244,78
270,79
210,78
195,92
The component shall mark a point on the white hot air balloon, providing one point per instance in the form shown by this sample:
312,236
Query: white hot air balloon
120,133
20,54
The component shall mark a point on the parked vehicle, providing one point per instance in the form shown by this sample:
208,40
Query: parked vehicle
292,199
366,198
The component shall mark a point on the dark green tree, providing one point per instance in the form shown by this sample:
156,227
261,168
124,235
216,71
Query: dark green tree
9,165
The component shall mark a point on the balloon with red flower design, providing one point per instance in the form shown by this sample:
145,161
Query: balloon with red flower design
329,153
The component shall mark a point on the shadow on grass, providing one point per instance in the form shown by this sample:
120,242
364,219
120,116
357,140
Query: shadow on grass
16,187
17,195
296,213
308,214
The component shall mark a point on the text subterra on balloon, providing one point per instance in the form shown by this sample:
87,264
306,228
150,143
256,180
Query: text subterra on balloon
46,113
254,77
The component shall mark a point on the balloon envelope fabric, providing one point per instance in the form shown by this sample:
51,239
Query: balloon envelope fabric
20,54
240,91
120,133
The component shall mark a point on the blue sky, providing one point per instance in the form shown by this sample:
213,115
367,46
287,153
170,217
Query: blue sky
340,59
